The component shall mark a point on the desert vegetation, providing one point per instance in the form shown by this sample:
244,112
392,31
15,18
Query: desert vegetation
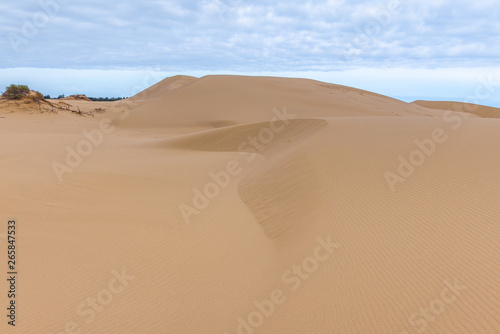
21,96
16,92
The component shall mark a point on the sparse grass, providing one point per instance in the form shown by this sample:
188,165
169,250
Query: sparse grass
22,95
37,97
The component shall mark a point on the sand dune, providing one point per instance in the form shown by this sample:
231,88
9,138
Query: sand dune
482,111
218,101
231,204
164,87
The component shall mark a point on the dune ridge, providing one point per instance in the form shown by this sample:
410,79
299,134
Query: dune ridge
475,109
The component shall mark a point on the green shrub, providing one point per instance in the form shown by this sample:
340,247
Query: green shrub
16,92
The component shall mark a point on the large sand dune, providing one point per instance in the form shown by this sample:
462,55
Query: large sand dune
234,204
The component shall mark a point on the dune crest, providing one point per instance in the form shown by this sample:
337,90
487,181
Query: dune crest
475,109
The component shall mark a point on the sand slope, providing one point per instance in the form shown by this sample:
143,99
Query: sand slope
257,205
216,101
164,87
479,110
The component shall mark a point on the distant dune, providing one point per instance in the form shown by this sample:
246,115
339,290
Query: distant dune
76,97
479,110
231,204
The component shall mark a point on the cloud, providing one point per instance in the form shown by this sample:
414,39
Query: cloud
240,35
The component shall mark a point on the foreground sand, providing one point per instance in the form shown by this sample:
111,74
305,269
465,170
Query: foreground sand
254,205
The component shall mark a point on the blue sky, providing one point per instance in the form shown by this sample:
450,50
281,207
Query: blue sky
407,49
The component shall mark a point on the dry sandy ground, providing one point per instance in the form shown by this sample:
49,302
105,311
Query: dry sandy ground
253,205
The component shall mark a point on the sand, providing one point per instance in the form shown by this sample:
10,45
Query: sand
230,204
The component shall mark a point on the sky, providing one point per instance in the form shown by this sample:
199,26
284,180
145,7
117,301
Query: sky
407,49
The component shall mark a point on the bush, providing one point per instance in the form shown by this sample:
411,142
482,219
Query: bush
16,92
19,92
